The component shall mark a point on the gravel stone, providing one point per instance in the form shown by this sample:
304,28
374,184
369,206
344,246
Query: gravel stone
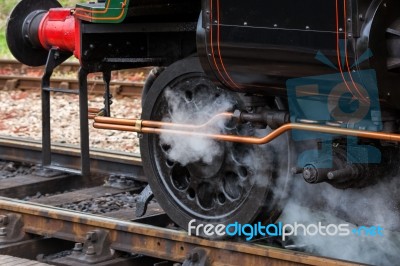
13,169
105,204
20,116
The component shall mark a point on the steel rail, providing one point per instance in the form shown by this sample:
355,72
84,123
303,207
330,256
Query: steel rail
150,240
68,156
70,66
12,63
94,86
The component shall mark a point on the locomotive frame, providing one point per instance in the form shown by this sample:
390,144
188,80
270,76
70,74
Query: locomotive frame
253,51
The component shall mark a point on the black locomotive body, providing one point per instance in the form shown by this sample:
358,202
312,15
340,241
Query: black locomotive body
256,47
258,57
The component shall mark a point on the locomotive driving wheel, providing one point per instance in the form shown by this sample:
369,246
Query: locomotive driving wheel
240,183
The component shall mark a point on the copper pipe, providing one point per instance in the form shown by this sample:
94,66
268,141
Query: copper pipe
158,124
263,140
94,110
230,138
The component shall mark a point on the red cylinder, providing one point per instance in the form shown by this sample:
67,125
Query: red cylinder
57,29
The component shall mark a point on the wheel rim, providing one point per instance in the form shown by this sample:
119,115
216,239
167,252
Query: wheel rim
205,190
227,187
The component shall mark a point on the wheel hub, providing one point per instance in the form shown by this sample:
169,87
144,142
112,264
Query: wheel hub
207,171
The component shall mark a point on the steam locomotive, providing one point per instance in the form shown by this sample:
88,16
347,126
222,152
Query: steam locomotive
267,90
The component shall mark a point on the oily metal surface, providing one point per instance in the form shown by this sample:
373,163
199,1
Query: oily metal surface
150,240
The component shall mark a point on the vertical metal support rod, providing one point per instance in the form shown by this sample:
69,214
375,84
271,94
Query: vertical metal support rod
107,94
54,58
84,122
46,128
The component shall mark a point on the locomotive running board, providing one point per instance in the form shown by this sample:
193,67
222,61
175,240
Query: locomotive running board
155,127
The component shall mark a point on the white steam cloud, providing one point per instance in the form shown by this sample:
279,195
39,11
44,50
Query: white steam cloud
371,206
196,110
307,203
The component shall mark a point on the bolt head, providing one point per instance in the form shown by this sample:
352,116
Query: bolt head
90,251
3,231
92,236
330,176
4,219
307,173
78,247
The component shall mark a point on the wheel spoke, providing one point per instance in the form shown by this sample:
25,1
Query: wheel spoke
231,186
180,177
243,172
206,196
217,190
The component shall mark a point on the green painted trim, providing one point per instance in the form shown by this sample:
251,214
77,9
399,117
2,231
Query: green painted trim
112,11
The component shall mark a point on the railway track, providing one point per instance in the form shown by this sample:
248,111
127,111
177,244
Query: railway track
68,156
14,75
141,237
11,65
67,219
49,226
